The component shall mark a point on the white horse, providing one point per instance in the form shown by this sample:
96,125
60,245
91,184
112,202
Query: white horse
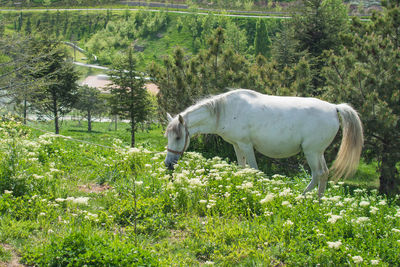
276,126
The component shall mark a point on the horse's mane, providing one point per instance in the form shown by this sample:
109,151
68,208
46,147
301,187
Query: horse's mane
214,104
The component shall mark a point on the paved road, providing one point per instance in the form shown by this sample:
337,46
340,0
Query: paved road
150,10
91,66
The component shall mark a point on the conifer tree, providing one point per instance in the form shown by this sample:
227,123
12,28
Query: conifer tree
130,98
88,101
262,41
58,95
366,74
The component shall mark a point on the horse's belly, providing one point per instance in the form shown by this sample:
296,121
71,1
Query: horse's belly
278,150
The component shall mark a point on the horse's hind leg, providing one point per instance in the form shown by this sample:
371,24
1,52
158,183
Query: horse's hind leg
319,172
323,180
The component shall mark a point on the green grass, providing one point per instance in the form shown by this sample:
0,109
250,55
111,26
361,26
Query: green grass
5,255
105,133
65,202
156,48
79,56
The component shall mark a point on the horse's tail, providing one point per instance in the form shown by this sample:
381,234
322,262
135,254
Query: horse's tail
349,153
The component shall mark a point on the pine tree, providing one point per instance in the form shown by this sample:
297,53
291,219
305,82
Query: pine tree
88,101
58,95
28,27
262,41
19,23
130,97
317,28
366,74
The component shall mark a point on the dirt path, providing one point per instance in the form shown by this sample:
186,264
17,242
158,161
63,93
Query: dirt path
14,262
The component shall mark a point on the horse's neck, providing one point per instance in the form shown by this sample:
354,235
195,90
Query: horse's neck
200,121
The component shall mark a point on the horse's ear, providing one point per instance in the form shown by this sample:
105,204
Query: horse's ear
169,117
181,120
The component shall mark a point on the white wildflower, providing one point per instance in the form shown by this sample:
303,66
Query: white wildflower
397,214
348,199
373,210
339,204
334,218
357,259
200,171
285,192
138,183
247,185
195,182
8,192
396,230
37,176
334,245
227,194
374,262
268,198
382,203
360,220
202,201
288,223
79,200
268,213
286,203
364,203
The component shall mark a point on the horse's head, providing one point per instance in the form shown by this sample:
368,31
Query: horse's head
178,140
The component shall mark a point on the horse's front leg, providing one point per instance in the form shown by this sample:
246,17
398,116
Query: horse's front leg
248,152
241,158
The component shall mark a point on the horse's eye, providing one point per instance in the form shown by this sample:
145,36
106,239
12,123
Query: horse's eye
178,138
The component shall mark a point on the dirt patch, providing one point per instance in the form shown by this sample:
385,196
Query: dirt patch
94,188
177,236
14,262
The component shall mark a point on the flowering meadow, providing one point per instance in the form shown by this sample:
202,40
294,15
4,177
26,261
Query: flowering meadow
66,203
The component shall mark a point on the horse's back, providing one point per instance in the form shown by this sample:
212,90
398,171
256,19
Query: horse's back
279,126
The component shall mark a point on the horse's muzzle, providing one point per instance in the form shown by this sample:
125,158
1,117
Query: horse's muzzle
169,165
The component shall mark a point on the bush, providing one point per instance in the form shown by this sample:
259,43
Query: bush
87,247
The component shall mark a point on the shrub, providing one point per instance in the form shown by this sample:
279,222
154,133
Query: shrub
87,247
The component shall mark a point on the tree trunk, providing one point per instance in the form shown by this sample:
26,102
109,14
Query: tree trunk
55,110
389,176
25,113
89,121
132,133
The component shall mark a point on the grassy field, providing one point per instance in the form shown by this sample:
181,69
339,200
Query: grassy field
64,202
